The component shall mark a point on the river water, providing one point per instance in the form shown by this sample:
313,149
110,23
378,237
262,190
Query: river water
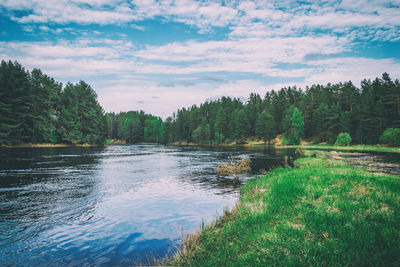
112,206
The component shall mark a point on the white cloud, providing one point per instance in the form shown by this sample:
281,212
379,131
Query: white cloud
354,69
253,55
263,39
245,18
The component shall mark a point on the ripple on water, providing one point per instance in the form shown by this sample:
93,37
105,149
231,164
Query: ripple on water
117,206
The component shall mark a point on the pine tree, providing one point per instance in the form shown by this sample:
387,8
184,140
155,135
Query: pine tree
242,125
297,129
320,123
15,104
221,125
265,127
45,99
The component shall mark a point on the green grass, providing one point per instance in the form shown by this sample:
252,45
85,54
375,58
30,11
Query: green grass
320,213
108,142
354,148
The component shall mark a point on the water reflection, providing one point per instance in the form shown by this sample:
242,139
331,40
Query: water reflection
112,206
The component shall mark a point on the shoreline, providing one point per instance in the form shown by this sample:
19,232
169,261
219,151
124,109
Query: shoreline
47,145
366,148
372,148
321,212
376,148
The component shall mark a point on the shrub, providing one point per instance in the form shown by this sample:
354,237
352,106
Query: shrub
284,141
343,139
390,136
234,168
108,142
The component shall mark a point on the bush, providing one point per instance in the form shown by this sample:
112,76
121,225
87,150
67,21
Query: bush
390,136
343,139
234,168
108,142
284,141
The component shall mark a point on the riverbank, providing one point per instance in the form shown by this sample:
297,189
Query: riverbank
27,145
322,212
372,148
375,148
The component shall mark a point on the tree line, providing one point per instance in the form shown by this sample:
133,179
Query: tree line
34,108
318,113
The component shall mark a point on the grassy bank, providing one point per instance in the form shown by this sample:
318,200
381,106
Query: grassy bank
376,148
320,213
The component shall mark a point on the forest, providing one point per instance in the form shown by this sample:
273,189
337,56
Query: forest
318,113
34,108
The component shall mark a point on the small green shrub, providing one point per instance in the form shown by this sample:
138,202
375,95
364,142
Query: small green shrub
343,139
108,142
284,141
390,136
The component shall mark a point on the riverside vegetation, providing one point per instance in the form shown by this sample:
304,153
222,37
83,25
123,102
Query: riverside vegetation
34,108
322,212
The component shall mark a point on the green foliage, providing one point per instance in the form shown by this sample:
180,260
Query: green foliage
136,127
322,213
326,111
284,141
266,127
46,98
320,124
15,104
390,136
34,108
343,139
296,131
242,125
221,125
108,142
201,134
81,117
54,137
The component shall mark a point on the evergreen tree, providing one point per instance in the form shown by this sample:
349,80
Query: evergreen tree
45,98
35,108
15,104
242,125
221,125
297,129
81,117
286,122
320,123
202,133
265,127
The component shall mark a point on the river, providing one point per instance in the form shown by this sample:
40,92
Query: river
113,206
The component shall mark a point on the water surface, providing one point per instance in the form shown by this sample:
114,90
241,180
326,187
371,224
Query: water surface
112,206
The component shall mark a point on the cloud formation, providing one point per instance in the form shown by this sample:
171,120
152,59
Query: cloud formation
238,46
249,18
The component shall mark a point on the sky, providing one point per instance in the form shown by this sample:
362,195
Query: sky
159,56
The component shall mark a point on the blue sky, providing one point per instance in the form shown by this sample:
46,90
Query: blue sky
158,56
